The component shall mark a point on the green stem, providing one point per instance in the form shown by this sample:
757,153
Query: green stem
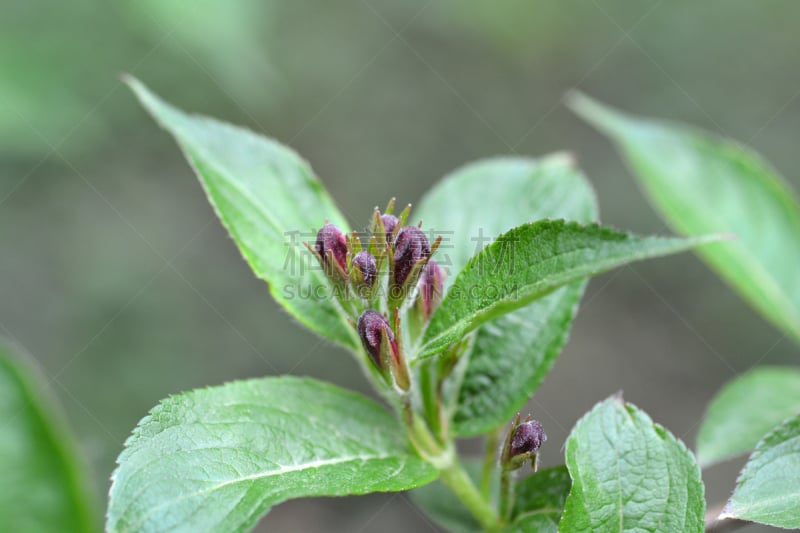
424,441
457,480
489,462
451,473
507,481
438,448
430,398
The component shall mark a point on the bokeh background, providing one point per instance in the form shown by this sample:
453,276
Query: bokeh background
117,278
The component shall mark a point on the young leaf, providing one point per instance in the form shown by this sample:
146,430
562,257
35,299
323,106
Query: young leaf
510,357
544,491
538,503
440,504
540,499
478,202
629,474
745,410
42,486
536,522
270,201
529,262
474,204
768,489
217,459
703,184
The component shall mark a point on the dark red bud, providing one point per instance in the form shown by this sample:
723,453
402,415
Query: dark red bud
365,263
410,246
528,438
431,285
389,223
373,328
331,240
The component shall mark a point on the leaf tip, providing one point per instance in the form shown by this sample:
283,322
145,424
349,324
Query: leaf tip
150,101
702,240
573,99
584,106
725,514
566,158
133,83
601,116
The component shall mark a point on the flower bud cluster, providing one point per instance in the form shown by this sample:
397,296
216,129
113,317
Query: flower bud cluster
374,280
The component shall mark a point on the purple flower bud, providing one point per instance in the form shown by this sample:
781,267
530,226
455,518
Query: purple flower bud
364,262
528,437
410,247
431,285
373,328
389,223
331,239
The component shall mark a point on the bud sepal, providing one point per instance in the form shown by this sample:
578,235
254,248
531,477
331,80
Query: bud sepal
383,227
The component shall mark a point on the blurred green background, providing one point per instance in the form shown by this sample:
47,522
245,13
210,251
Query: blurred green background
116,276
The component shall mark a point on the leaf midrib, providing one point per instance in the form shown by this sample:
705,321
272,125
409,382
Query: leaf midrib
762,503
53,430
284,469
162,112
269,218
531,291
763,277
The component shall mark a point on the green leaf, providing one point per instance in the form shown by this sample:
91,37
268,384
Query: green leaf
745,410
704,184
536,522
629,474
544,491
540,499
217,459
270,201
768,489
475,203
440,504
42,486
487,198
529,262
510,358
